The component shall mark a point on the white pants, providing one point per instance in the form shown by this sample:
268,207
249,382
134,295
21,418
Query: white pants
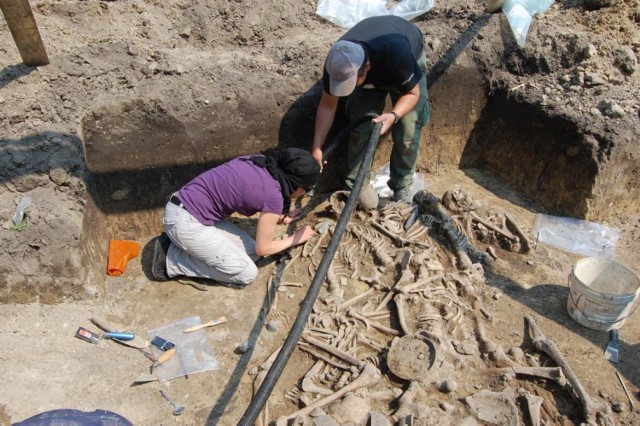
221,252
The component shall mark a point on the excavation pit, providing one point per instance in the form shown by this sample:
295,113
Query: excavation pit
138,153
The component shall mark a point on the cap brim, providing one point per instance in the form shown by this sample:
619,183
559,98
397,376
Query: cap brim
343,88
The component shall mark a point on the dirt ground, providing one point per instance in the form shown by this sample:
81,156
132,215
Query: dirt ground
179,73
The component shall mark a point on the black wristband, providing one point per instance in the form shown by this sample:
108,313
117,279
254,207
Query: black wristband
396,117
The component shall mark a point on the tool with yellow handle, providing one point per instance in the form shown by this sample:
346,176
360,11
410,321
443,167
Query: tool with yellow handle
211,323
166,356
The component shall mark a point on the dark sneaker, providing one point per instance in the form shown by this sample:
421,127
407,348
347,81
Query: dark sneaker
403,194
160,249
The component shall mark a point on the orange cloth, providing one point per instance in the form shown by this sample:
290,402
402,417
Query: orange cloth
120,252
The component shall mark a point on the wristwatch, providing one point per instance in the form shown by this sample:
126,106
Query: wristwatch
396,117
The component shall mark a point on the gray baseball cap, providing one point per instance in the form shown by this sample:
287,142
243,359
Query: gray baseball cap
343,62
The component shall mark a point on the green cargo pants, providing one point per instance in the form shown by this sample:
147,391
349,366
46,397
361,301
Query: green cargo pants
405,134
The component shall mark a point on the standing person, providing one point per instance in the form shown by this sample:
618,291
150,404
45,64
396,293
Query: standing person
200,243
378,57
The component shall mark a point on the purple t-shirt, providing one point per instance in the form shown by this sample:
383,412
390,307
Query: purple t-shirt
238,186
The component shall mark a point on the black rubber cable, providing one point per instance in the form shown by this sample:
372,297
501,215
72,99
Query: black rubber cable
260,398
331,146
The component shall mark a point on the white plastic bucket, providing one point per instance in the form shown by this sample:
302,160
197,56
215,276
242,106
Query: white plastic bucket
602,293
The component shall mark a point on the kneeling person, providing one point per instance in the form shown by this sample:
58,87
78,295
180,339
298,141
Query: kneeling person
199,242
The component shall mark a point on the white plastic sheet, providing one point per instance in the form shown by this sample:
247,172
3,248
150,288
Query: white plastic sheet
520,13
347,13
194,353
577,236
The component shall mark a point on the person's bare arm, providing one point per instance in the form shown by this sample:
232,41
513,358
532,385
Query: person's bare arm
266,245
325,115
405,103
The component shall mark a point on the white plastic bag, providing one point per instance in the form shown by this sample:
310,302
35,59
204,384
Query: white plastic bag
380,177
347,13
520,13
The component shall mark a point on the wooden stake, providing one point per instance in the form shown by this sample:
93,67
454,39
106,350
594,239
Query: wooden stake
633,407
25,32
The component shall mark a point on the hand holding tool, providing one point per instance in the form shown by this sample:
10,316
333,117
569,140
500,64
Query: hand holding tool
211,323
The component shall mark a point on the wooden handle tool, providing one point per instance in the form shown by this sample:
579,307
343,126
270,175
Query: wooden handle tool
211,323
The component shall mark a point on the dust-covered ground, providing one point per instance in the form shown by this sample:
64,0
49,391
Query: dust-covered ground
233,72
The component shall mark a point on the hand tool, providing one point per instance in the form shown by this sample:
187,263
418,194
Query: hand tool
611,352
166,356
177,409
211,323
119,335
137,341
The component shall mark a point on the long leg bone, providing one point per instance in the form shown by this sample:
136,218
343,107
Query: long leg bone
334,351
402,318
551,373
543,344
524,241
323,357
369,376
508,235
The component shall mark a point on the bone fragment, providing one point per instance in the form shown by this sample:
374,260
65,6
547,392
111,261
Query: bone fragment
543,344
377,326
420,283
533,406
323,357
551,373
369,376
402,318
318,243
508,235
524,241
356,299
495,352
334,351
308,386
263,418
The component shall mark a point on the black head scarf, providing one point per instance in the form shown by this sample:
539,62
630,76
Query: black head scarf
292,168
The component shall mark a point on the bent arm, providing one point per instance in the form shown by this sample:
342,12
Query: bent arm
266,245
325,115
405,103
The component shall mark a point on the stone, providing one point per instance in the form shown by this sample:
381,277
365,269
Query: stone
625,59
448,386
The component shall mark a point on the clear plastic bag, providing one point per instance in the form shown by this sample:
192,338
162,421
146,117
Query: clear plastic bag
347,13
520,13
577,236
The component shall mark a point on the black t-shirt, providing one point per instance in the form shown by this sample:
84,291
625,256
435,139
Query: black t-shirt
393,46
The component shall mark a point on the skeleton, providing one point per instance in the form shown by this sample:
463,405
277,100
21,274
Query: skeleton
463,250
543,344
369,376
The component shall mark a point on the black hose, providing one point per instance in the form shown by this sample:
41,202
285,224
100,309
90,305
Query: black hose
331,146
260,398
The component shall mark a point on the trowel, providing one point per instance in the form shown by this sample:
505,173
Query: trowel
611,352
135,342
